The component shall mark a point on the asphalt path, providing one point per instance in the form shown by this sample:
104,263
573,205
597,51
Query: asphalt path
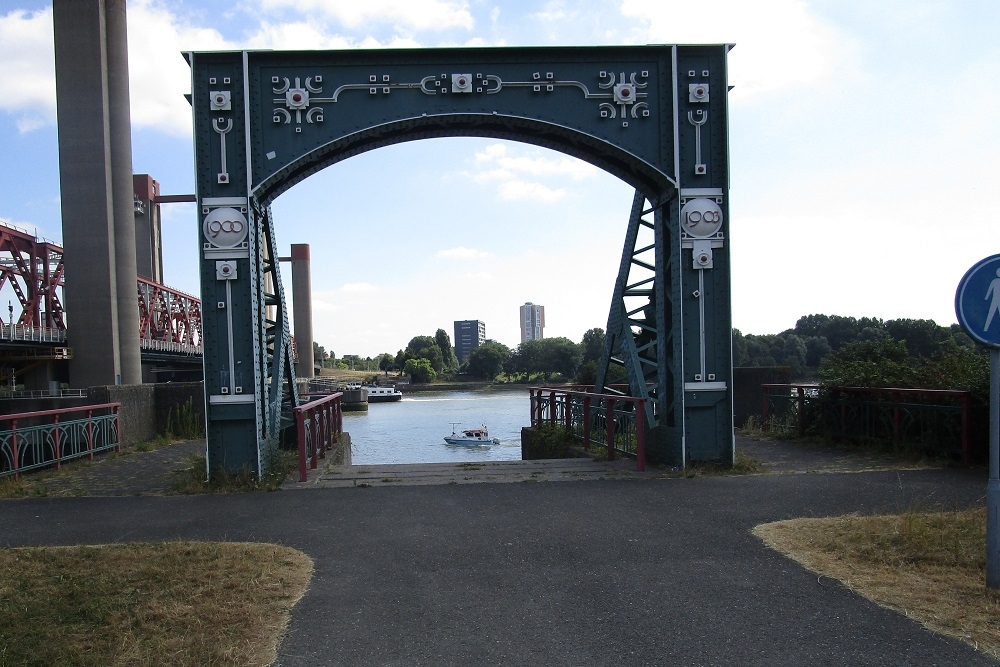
610,572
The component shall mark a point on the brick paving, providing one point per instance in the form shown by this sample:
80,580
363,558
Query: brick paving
130,473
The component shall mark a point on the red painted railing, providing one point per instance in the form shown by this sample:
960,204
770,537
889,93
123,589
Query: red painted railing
575,409
30,440
319,424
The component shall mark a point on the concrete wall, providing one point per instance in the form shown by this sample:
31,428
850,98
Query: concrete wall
137,417
174,396
145,407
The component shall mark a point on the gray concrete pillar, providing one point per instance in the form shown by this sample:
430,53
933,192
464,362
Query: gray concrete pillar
302,312
95,170
120,122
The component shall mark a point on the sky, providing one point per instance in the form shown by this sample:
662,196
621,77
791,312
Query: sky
864,149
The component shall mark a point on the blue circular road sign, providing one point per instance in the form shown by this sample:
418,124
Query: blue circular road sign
977,302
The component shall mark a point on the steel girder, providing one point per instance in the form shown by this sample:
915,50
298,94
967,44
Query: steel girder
169,316
654,116
33,269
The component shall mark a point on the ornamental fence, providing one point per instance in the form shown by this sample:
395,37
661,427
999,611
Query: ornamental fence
319,424
934,422
32,440
607,420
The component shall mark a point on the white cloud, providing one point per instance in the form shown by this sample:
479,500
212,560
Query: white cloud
358,288
517,190
528,174
462,253
158,76
535,164
478,276
779,43
415,14
27,68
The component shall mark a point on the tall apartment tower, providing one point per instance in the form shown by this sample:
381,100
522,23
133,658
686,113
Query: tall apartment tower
532,322
469,334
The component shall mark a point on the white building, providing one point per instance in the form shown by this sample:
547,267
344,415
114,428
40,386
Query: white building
532,322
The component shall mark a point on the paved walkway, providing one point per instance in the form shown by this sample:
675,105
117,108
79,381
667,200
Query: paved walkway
639,570
130,473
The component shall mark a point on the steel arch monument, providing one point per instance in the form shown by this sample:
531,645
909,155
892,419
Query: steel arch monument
655,116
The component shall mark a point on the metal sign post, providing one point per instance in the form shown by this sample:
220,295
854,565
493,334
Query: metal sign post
977,305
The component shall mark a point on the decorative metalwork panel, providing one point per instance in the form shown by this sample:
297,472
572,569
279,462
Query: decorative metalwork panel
655,116
52,442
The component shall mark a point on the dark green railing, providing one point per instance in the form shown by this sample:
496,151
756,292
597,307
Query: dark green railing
933,421
32,440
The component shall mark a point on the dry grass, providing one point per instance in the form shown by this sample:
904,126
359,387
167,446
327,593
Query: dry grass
179,603
928,566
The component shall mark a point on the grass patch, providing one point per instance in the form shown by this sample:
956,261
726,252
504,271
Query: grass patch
547,442
191,480
178,603
184,422
772,428
929,566
743,465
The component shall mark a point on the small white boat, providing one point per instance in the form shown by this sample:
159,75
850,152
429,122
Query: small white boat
383,394
470,436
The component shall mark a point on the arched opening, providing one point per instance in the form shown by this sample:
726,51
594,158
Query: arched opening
463,228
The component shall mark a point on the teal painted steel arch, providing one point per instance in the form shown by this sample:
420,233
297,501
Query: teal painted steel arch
611,158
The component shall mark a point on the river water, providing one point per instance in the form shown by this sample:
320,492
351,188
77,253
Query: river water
412,430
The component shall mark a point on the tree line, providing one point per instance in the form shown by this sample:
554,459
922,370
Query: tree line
832,349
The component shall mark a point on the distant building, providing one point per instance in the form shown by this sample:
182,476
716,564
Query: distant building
532,322
469,334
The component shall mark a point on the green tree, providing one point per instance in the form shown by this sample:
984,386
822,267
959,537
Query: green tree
425,347
924,338
592,345
319,354
487,361
741,358
817,347
560,355
385,361
882,362
420,371
443,341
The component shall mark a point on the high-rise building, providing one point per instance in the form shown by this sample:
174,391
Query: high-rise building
532,322
469,334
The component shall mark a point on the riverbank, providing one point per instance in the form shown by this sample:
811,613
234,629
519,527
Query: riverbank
462,386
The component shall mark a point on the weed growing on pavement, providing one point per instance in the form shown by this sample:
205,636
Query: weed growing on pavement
192,480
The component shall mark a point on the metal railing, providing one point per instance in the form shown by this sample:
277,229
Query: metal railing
43,393
170,346
26,333
319,424
31,440
937,421
608,420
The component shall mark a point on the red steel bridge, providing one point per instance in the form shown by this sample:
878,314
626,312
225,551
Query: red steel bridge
35,330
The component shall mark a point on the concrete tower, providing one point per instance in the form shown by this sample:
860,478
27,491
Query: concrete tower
95,171
532,322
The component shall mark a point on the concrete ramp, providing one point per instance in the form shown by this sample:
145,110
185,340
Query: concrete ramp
491,472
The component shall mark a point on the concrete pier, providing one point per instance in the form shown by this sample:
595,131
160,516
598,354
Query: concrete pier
95,170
